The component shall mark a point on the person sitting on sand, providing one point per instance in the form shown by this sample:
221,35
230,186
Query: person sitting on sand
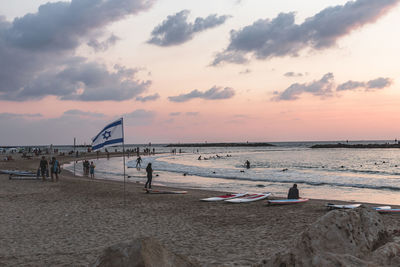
293,192
149,171
43,167
91,167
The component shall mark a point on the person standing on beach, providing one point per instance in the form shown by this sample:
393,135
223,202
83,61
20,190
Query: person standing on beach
54,169
85,167
293,192
43,167
92,166
149,171
138,162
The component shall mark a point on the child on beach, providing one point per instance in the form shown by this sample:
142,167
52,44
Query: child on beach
92,166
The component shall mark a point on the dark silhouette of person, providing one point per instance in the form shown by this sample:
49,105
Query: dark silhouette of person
138,162
149,171
293,192
247,164
43,167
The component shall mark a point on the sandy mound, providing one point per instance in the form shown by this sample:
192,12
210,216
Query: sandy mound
140,252
342,238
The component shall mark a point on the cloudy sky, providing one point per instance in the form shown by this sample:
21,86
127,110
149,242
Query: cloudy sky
195,71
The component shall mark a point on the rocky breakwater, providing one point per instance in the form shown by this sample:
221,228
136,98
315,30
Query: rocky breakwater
342,238
259,144
144,252
340,145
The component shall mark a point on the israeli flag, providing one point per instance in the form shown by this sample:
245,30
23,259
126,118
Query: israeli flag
111,135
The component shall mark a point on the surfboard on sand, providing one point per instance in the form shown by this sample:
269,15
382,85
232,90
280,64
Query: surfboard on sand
224,197
18,173
249,198
151,191
287,201
386,209
16,177
347,206
382,208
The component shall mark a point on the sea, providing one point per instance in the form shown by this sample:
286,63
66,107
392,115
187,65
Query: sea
345,174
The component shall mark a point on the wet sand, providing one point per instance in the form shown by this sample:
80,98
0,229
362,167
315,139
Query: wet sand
70,222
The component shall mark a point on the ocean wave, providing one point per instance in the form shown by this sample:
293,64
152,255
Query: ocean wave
313,183
277,176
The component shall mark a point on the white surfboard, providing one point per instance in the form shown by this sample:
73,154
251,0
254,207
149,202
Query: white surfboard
382,208
388,210
224,197
151,191
249,198
347,206
287,201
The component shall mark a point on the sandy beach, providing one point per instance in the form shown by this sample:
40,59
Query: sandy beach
69,223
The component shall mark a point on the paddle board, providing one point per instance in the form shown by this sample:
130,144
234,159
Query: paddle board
348,206
14,177
249,198
386,209
150,191
287,201
18,173
382,208
224,197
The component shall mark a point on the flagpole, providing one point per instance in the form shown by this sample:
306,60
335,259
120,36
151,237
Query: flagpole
74,155
123,154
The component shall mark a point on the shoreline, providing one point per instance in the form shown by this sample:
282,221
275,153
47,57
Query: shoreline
341,145
223,184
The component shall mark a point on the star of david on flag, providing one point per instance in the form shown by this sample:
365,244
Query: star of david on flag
111,135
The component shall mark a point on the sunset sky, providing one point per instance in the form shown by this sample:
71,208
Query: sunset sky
196,71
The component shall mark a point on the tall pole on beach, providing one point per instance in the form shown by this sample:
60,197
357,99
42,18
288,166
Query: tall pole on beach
74,155
123,155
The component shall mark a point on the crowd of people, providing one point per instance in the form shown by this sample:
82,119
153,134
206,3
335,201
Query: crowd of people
52,166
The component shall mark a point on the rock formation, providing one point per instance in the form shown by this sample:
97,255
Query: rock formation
342,238
146,252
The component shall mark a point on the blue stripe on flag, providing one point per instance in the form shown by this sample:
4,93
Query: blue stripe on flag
113,124
110,142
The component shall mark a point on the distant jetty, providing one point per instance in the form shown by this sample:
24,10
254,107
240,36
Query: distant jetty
220,145
340,145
